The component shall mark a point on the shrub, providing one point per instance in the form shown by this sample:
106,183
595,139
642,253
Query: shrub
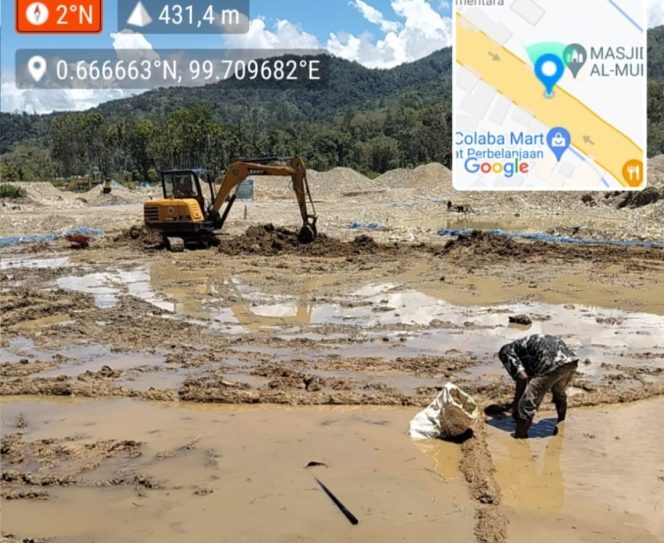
11,191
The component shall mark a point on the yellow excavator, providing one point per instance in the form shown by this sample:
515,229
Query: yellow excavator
190,212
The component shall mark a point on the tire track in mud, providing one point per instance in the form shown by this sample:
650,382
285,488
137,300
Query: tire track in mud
478,469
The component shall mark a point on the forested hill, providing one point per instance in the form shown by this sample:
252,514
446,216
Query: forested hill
349,86
656,53
370,120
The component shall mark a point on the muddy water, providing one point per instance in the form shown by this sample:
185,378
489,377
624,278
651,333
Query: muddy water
601,479
597,332
106,286
248,463
403,317
236,474
20,261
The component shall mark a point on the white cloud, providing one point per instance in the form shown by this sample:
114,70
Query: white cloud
128,39
375,16
48,100
655,13
285,35
422,32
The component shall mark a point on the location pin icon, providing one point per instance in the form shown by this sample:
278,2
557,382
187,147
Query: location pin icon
575,56
558,139
37,67
549,69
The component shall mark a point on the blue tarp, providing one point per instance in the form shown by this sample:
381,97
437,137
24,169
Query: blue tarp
366,226
35,238
550,238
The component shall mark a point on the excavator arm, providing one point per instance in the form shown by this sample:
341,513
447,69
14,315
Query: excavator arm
239,171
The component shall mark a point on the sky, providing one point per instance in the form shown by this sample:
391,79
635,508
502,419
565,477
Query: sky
375,33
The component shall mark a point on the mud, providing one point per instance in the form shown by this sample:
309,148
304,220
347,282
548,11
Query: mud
362,322
548,486
478,470
178,462
160,326
31,466
207,483
485,246
491,526
138,237
477,467
268,240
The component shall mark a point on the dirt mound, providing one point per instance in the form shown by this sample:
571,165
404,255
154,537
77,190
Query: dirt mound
655,167
433,176
271,240
119,195
101,199
648,196
393,179
485,246
482,243
338,180
45,194
140,236
335,181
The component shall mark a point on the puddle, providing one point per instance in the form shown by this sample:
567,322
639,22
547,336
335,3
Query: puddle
21,343
387,320
105,287
250,461
602,477
234,305
156,377
17,262
78,358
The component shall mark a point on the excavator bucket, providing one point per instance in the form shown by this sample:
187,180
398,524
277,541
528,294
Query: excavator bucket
307,234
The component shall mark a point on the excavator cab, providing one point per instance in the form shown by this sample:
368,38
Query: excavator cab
182,184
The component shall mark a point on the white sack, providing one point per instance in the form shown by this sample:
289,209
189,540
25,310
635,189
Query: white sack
451,413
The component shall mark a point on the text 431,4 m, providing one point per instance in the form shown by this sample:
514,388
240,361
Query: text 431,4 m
178,14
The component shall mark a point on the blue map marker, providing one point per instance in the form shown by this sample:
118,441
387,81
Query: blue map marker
558,139
549,69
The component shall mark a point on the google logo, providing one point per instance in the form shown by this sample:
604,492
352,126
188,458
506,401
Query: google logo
509,169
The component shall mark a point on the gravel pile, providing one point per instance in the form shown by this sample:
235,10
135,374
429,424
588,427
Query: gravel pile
44,194
337,181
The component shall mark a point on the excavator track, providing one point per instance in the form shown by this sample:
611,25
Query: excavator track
175,245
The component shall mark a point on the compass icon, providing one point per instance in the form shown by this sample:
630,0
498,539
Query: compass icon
36,13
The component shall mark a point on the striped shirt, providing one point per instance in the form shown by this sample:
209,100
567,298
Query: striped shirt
537,355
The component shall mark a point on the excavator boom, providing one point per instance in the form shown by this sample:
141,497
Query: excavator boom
239,171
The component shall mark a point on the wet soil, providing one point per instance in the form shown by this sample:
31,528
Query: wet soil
486,246
478,470
216,470
268,240
291,330
110,480
267,321
599,479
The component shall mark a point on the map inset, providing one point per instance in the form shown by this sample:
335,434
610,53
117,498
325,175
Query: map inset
550,95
